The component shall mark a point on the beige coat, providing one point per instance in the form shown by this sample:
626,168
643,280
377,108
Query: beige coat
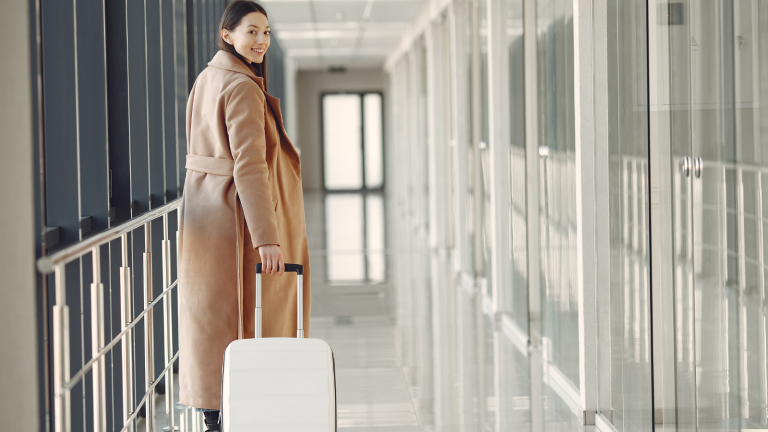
242,190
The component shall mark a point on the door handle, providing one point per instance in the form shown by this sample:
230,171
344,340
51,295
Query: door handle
686,166
697,165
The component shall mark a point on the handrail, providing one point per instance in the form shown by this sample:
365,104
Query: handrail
47,264
64,383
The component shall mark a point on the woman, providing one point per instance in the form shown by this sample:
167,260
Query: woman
242,194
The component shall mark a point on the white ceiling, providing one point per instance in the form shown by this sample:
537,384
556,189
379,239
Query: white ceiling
355,34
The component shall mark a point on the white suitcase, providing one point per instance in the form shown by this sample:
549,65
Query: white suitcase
278,384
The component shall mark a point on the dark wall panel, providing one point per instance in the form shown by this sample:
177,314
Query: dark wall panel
60,111
168,60
200,39
137,108
92,104
183,83
276,70
119,126
155,103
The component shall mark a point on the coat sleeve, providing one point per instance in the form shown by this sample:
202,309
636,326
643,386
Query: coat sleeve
245,111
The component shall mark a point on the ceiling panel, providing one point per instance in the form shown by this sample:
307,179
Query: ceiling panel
340,11
338,43
395,11
379,42
288,12
324,33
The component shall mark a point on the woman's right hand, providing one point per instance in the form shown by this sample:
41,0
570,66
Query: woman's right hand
271,260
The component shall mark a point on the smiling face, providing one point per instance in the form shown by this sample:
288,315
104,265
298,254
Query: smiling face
250,38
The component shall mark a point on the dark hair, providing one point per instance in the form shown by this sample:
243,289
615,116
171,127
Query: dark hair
231,19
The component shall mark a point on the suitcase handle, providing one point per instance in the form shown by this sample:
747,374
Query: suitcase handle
299,270
295,268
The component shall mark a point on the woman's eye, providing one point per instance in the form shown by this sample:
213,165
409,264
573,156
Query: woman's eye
267,32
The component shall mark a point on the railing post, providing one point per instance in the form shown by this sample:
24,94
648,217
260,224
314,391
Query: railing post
170,407
62,414
178,297
149,368
126,316
97,343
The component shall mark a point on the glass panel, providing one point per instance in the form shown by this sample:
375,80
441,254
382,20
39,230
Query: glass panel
344,225
374,161
480,135
342,151
628,372
557,186
518,215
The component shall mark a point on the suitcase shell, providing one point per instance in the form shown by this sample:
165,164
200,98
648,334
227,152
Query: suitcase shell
278,384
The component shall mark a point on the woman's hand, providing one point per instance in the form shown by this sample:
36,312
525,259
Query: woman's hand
271,260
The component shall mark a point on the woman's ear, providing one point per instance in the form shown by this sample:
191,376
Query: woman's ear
225,35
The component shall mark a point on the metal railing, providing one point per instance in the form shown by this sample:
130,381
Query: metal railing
63,381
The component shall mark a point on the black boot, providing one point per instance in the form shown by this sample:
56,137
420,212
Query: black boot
212,421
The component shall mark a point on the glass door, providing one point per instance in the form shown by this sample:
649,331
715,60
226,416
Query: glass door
713,55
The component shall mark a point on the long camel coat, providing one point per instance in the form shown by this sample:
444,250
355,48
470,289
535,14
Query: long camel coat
242,190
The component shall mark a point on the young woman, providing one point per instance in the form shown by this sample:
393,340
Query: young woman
242,194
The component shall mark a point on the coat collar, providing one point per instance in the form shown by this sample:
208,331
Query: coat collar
227,61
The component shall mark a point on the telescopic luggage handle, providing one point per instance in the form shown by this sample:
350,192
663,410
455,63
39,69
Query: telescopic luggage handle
299,270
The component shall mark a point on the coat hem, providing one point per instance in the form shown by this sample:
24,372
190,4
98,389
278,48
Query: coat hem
203,403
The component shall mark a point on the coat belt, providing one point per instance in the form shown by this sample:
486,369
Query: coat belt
210,165
226,167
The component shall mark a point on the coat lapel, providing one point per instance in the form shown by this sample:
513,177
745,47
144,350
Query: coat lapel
225,60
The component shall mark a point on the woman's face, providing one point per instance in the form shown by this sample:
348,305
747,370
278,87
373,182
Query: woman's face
250,38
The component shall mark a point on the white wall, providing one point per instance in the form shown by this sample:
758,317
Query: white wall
18,338
311,85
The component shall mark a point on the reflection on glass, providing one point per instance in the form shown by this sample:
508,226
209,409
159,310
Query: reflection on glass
374,160
716,93
355,237
557,186
342,151
481,135
517,205
628,371
344,229
374,231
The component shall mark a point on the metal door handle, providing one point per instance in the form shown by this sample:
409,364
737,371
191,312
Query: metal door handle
697,165
686,166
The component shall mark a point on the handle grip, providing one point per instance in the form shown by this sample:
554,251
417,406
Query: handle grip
295,268
299,270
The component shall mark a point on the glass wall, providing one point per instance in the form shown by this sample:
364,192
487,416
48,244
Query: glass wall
680,140
557,186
